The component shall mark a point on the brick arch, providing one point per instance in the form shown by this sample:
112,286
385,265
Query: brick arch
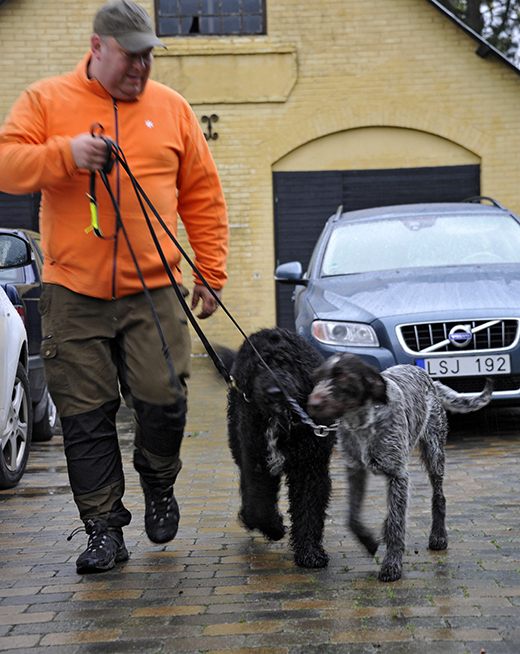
334,120
368,148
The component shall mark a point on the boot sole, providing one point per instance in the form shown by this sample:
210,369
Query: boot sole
122,555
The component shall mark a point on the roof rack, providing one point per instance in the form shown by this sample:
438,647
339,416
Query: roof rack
481,198
338,213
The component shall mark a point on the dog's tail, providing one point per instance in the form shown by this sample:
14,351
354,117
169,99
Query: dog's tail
456,403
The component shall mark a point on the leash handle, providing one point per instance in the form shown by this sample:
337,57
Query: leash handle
97,131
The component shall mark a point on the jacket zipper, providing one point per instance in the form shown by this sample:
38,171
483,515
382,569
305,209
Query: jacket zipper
118,198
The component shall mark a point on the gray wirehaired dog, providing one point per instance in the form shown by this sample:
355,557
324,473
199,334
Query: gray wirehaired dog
382,418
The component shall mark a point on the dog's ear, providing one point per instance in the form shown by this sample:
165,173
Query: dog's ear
377,386
317,374
369,377
226,355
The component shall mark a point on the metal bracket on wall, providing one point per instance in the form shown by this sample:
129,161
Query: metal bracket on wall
210,119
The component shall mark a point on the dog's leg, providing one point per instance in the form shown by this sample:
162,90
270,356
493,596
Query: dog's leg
309,488
395,528
431,449
259,491
357,484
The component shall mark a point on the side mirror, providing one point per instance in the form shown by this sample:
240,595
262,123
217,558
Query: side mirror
290,273
14,251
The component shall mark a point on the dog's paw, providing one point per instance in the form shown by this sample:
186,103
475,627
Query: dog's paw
246,521
312,558
438,542
273,531
390,570
272,527
367,539
370,543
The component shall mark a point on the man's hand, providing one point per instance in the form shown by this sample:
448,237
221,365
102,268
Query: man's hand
89,152
209,304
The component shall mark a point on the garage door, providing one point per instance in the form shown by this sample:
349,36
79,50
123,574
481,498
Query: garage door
19,210
303,201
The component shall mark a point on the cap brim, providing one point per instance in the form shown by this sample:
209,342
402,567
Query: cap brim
139,41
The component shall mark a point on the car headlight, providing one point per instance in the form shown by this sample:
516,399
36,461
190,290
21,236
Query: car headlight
351,334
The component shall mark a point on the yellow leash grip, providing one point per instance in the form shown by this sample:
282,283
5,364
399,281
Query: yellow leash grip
94,221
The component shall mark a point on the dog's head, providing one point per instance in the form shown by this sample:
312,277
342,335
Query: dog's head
273,364
344,383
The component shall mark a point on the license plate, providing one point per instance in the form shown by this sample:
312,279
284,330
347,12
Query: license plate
491,364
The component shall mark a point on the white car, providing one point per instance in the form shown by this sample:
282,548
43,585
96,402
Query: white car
15,398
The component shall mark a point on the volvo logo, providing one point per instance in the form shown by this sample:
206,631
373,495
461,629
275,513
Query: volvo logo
460,335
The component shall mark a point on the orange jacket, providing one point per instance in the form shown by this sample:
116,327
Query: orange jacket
166,152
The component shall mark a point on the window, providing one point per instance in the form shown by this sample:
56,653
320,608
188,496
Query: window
210,17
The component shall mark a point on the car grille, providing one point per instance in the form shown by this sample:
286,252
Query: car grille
499,335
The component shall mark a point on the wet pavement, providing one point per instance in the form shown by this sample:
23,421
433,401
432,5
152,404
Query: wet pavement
219,589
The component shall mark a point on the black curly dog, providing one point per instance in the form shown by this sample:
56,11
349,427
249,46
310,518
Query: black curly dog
267,441
383,416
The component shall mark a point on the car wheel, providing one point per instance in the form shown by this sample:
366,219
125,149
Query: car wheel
16,437
44,429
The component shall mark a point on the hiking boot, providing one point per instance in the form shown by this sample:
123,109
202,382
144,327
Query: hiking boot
161,517
105,548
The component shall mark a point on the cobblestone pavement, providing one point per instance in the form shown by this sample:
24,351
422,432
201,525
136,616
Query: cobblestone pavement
219,589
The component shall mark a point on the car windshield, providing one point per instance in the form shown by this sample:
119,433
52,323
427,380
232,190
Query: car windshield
421,241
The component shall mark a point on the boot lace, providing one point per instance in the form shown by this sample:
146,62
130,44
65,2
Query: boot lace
161,504
98,534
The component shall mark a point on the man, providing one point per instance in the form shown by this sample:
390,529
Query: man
99,334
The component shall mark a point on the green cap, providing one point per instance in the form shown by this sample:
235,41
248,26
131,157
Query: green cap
128,23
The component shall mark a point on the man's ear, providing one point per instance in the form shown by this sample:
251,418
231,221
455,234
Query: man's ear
96,44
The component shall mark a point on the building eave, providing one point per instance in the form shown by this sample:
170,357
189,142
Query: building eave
484,47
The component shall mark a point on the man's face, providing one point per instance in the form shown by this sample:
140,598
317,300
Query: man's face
123,74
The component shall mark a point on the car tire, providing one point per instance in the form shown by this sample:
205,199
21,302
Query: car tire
44,429
16,438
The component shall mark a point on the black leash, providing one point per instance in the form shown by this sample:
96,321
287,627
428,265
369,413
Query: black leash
116,154
165,348
217,361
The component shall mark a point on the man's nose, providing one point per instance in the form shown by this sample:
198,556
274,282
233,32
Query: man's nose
139,61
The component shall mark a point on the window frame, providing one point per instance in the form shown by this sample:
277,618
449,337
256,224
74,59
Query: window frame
179,16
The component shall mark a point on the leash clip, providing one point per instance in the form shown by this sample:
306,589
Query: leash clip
322,431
